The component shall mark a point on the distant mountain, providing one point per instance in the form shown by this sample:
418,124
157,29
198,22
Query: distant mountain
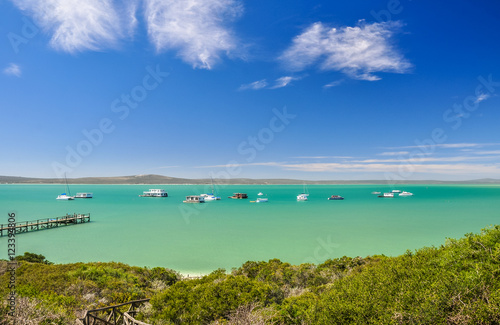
160,179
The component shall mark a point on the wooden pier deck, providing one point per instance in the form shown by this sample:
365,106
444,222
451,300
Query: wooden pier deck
28,226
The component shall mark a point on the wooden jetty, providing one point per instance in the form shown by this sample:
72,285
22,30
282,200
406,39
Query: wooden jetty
27,226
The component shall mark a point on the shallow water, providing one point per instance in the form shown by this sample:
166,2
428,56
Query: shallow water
199,238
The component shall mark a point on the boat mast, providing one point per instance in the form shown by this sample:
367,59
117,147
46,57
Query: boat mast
67,187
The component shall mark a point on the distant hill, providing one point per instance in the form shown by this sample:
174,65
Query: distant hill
160,179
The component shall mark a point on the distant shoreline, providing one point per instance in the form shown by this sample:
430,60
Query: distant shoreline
164,180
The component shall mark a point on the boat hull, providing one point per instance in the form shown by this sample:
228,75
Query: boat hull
65,198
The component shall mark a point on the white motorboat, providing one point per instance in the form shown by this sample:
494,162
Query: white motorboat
404,193
387,195
154,193
261,199
210,197
260,194
194,199
396,191
84,195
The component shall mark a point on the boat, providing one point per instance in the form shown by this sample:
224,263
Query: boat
211,196
335,197
65,196
260,194
261,199
154,193
396,191
194,199
387,195
376,193
239,196
303,196
84,195
404,193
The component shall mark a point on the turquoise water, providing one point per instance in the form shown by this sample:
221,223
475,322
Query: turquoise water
199,238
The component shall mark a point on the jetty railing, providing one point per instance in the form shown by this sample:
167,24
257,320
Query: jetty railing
40,224
113,315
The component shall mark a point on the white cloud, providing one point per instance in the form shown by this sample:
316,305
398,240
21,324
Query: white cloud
449,169
259,84
278,83
421,159
334,83
284,81
490,152
481,98
356,51
323,157
13,70
397,153
76,25
426,148
195,28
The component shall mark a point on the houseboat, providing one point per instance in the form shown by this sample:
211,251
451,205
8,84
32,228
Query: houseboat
239,196
154,193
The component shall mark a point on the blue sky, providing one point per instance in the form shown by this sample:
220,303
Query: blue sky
225,88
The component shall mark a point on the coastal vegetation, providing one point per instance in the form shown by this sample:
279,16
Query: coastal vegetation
456,283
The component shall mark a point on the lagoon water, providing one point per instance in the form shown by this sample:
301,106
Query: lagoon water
199,238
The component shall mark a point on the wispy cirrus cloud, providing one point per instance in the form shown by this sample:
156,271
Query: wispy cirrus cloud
422,160
448,169
323,157
357,51
195,28
486,152
401,165
278,83
447,146
393,153
482,97
334,83
284,81
13,70
259,84
76,25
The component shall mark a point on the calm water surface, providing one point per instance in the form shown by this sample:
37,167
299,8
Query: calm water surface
199,238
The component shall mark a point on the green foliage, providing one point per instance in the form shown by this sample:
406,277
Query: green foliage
33,258
457,283
454,284
68,288
210,298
